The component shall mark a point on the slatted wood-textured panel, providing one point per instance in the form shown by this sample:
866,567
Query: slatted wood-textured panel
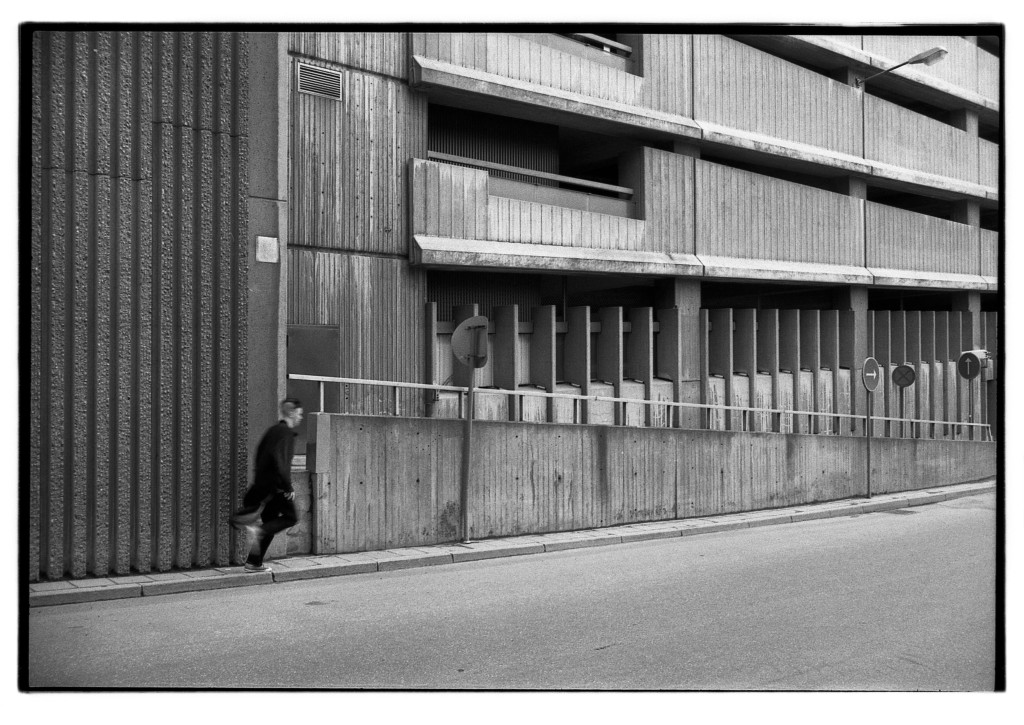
988,74
394,482
448,200
384,53
139,273
668,202
900,239
744,88
668,83
898,136
349,162
527,222
377,304
960,67
989,253
522,59
988,163
747,215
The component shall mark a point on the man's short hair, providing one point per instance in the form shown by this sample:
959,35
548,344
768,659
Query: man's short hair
288,405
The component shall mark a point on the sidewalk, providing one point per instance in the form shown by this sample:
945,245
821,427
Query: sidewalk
316,567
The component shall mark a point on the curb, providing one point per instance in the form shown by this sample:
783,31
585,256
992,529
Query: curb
322,566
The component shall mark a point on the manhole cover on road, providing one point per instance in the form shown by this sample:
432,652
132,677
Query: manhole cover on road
901,512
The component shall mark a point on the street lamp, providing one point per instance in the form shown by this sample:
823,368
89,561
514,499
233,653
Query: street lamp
928,57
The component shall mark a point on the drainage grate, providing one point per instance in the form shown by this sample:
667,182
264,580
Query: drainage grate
319,81
901,512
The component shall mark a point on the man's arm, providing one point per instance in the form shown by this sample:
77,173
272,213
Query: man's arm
284,446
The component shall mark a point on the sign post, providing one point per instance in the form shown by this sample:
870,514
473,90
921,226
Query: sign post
969,365
469,346
870,375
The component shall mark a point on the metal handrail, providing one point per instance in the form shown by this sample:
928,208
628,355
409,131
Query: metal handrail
494,166
600,40
399,385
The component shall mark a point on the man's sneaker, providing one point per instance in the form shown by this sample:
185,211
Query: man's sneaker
253,568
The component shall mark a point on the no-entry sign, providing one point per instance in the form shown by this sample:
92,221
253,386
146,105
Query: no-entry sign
870,375
904,375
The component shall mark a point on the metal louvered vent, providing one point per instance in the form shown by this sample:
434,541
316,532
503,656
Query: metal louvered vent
319,81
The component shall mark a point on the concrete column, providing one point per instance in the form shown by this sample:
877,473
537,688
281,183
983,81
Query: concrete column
852,186
686,148
967,212
969,302
853,344
846,75
685,294
965,119
267,242
631,174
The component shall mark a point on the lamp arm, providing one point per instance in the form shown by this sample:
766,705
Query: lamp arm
861,82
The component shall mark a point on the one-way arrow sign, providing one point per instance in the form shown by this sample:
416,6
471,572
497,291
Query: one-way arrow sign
870,374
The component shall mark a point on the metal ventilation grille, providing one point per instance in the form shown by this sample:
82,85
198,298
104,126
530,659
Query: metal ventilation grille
319,81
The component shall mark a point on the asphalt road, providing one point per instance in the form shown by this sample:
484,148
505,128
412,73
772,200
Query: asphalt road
900,600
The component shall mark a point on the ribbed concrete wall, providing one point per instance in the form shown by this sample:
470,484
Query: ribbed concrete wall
903,240
898,136
520,58
740,87
989,253
349,162
959,68
460,200
139,275
370,494
384,53
377,305
806,224
988,74
668,82
988,163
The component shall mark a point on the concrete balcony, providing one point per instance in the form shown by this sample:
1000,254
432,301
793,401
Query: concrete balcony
744,96
466,217
569,82
990,258
687,217
751,226
967,67
909,249
907,146
728,97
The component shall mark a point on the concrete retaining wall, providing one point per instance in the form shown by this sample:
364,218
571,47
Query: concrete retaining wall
380,482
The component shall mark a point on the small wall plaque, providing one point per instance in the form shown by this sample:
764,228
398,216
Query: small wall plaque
267,249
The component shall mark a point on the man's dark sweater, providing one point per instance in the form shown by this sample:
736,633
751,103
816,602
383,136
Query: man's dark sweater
274,460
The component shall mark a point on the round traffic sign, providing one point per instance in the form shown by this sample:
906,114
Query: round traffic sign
870,374
469,342
904,375
969,364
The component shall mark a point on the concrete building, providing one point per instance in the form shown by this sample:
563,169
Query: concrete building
680,221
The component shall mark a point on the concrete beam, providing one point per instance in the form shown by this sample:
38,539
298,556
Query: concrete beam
442,253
